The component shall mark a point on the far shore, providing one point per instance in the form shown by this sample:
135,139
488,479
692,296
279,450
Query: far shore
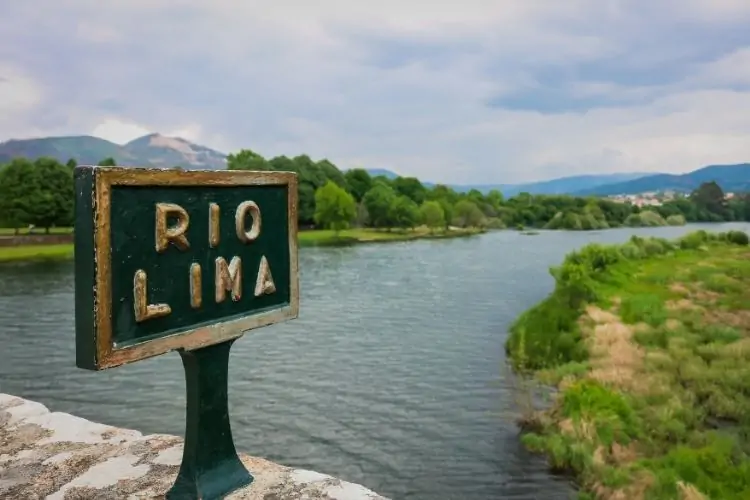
307,238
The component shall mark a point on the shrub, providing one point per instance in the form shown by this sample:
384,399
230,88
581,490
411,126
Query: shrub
693,240
676,220
738,237
647,218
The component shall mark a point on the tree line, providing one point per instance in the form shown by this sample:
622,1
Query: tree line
40,193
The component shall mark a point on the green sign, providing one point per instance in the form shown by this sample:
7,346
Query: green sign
179,260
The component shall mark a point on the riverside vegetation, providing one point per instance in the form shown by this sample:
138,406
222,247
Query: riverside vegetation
648,344
40,192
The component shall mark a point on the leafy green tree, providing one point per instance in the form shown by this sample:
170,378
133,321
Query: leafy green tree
378,201
432,214
468,214
331,172
710,197
403,212
247,159
39,193
411,188
71,164
108,162
359,182
442,192
53,199
448,210
334,207
495,199
18,186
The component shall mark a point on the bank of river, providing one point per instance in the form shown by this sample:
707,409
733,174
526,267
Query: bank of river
306,239
393,376
647,343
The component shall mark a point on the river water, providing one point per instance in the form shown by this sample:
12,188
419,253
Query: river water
393,376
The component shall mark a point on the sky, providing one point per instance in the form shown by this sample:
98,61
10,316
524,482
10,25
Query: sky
477,91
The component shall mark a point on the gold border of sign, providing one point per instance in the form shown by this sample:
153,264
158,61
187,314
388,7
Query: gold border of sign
108,355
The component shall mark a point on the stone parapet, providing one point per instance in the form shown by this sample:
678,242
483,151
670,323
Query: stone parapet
57,456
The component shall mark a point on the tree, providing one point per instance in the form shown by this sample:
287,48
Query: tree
468,214
332,173
495,198
39,193
403,212
17,192
54,197
378,201
448,210
334,207
247,159
359,182
432,214
71,164
108,162
710,197
411,188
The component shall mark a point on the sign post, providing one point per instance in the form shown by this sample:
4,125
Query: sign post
171,260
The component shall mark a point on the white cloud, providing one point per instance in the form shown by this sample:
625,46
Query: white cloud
119,132
394,84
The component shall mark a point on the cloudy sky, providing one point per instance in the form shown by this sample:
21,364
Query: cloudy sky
469,91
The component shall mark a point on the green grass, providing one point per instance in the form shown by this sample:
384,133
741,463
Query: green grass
36,252
649,345
5,231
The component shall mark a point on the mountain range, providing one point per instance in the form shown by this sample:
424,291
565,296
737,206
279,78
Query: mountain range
156,150
731,178
153,150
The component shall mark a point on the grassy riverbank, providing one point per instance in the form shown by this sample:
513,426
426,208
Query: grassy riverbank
320,237
306,238
36,252
648,344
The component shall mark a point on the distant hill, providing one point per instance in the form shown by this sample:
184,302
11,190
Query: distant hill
562,185
153,150
731,178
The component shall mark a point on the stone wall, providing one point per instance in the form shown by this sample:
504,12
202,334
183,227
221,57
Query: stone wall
57,456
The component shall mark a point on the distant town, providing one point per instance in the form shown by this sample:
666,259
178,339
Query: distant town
654,198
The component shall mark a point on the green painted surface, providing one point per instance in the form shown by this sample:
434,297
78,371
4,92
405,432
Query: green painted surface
85,272
133,248
210,466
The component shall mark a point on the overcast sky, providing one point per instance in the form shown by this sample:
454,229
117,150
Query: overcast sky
451,91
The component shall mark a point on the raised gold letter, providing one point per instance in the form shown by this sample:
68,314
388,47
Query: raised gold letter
213,225
144,310
176,233
264,285
239,221
228,278
195,285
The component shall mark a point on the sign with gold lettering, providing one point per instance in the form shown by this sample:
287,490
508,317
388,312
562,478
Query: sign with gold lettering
173,259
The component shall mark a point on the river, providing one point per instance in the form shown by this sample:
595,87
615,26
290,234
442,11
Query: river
392,376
